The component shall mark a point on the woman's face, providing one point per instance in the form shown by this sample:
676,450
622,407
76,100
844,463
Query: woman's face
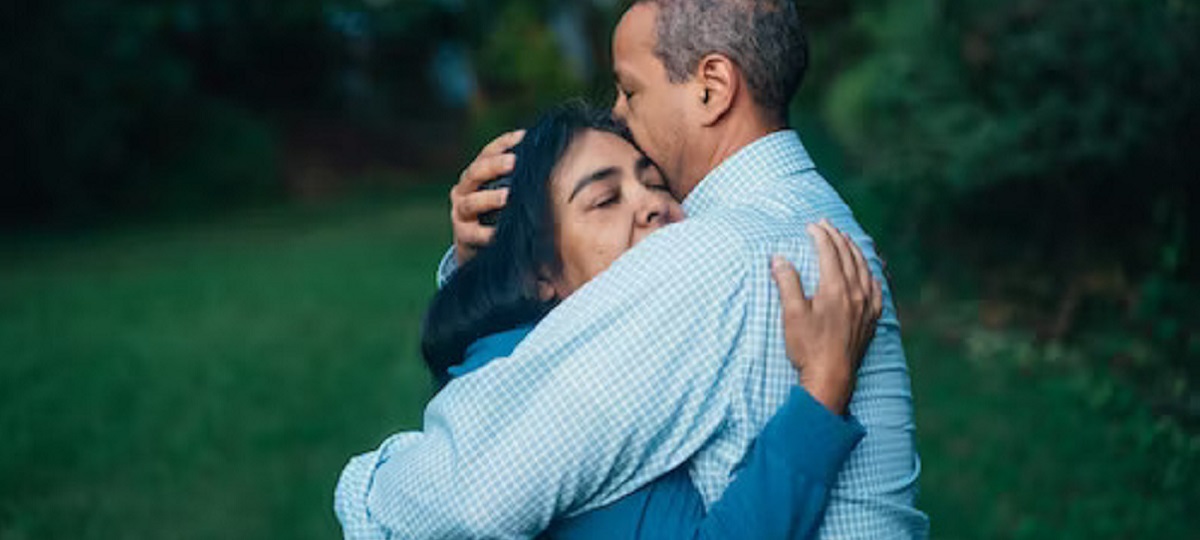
607,197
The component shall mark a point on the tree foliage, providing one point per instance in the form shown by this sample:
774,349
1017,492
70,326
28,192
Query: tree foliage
130,104
1066,119
134,105
1048,150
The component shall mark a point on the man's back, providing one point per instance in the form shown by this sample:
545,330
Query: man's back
765,196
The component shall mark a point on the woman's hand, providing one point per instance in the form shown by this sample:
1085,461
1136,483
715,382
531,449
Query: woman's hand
467,202
827,335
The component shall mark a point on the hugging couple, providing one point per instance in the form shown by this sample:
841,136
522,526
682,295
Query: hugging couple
629,351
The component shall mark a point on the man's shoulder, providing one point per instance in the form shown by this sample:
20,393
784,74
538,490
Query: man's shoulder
764,222
734,236
695,256
706,238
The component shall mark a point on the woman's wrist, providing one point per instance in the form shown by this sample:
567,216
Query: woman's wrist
830,387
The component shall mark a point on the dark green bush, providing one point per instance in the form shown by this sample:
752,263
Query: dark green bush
115,106
1052,122
1047,151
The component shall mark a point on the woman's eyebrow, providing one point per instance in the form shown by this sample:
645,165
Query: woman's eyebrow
596,176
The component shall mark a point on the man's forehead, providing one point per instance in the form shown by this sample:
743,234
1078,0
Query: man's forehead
635,33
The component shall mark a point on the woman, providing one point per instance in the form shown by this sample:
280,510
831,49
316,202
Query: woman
581,195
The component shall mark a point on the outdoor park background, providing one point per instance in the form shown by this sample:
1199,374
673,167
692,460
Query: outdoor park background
221,220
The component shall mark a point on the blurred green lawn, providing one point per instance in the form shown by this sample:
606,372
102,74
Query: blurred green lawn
210,380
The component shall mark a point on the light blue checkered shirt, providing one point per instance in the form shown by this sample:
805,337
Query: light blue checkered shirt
675,354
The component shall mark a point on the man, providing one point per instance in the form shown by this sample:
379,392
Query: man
673,355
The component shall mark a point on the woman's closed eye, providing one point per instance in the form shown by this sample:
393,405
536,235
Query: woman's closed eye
608,199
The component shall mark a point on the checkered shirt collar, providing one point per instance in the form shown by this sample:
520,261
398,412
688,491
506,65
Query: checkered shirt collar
774,156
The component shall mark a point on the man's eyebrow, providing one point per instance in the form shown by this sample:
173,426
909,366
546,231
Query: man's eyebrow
622,78
596,176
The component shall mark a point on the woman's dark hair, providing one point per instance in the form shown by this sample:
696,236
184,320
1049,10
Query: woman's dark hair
498,289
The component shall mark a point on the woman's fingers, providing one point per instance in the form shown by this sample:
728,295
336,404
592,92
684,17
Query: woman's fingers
849,267
470,238
826,336
876,300
864,270
502,143
833,281
791,290
821,334
864,287
469,233
870,320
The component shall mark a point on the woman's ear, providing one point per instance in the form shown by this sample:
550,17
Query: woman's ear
547,292
717,77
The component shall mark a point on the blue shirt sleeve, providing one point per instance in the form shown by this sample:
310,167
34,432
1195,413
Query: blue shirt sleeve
780,492
447,267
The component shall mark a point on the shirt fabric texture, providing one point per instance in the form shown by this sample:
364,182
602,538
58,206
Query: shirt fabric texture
780,491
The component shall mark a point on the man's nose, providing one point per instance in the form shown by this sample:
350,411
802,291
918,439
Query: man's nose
618,108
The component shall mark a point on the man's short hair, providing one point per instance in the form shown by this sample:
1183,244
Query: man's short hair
763,37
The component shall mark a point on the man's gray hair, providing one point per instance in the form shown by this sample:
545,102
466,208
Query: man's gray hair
763,37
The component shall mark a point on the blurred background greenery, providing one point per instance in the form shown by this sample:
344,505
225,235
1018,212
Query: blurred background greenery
221,219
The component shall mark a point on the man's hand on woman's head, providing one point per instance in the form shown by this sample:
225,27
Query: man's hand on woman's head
828,334
467,202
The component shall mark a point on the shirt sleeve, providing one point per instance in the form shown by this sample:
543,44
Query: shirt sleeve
447,267
780,492
618,385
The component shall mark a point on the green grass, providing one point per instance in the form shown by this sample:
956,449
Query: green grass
1043,451
209,380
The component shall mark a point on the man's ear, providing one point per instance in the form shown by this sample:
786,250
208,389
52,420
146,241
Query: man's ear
719,84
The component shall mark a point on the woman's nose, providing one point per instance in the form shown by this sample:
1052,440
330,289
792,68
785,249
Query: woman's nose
653,212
